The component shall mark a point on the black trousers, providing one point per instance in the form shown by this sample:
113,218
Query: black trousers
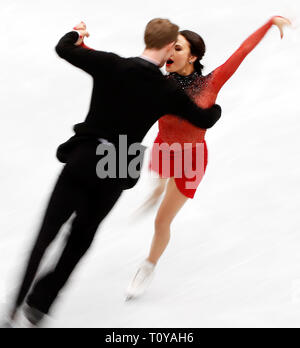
78,190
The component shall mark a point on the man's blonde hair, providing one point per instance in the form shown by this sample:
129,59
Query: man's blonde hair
159,33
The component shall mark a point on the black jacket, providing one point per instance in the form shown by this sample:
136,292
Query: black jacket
129,96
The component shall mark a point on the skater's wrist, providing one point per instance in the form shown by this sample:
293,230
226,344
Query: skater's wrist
79,39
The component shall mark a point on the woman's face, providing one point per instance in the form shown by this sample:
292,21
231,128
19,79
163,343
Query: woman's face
179,61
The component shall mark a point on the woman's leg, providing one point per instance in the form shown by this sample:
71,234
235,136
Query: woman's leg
170,206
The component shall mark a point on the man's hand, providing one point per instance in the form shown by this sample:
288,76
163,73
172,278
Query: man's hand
81,29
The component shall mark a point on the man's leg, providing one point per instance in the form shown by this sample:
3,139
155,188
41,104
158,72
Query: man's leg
93,208
61,205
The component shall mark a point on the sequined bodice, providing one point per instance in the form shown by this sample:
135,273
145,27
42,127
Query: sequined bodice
174,129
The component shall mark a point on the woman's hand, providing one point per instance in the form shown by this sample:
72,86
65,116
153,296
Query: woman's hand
280,22
81,28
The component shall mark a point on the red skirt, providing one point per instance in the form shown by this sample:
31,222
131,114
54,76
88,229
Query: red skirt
186,164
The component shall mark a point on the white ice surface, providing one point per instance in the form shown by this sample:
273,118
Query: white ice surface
234,256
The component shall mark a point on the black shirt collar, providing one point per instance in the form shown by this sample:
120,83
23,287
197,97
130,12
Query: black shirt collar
146,63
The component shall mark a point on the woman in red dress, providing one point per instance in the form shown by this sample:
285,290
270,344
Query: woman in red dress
188,162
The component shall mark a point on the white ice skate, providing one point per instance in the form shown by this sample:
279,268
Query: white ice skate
141,281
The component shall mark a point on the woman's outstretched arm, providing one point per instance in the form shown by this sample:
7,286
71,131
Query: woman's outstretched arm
225,71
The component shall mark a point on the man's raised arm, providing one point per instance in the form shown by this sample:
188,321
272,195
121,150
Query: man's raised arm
89,60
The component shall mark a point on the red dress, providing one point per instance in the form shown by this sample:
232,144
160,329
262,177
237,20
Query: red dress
172,129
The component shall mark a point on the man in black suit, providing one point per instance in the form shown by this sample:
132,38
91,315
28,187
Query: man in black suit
129,96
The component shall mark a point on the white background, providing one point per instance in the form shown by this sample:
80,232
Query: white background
234,258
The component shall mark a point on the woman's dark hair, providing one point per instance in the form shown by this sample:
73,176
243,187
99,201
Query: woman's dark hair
197,46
